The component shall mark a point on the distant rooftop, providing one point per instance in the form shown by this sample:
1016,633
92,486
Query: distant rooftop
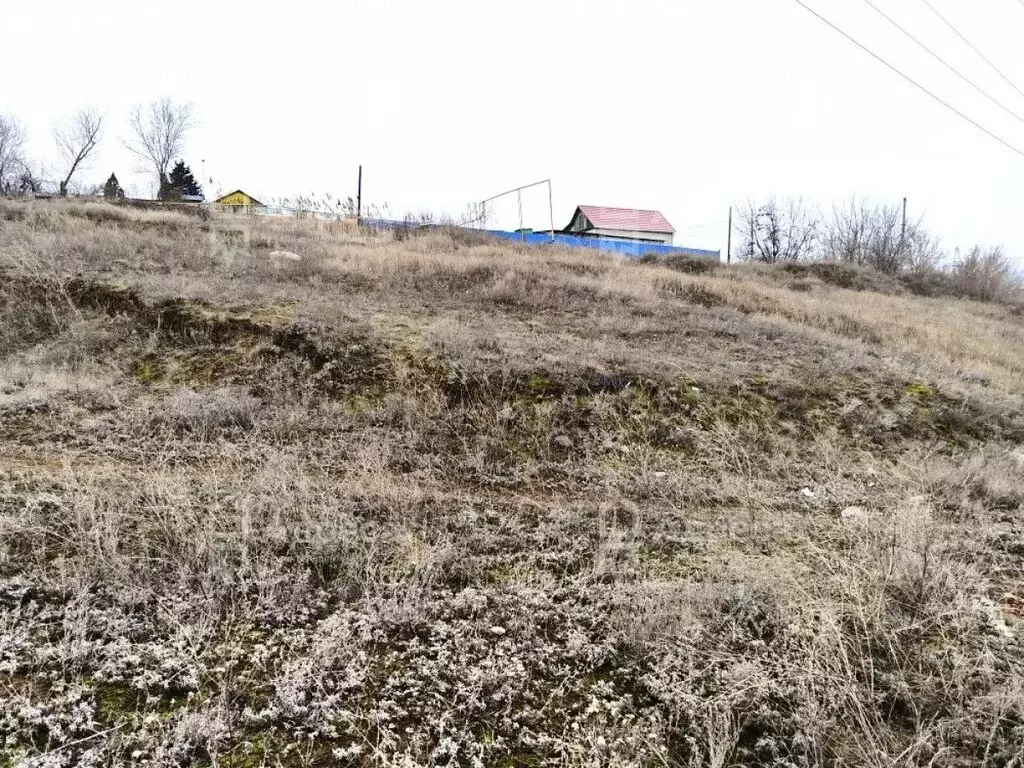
604,217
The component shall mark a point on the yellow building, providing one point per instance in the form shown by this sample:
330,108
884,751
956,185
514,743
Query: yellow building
240,202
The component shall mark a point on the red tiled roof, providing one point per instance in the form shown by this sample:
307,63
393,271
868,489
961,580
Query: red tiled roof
603,217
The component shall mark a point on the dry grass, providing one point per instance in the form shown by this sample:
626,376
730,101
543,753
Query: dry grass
445,501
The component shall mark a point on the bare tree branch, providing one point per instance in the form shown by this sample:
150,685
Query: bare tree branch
158,133
28,180
772,233
76,138
871,234
12,143
985,275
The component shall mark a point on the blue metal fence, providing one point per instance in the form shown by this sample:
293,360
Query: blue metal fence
630,248
634,249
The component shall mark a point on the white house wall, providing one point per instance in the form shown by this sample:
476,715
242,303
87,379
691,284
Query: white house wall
628,234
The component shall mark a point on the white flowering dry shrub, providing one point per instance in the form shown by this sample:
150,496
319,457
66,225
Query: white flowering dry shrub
205,413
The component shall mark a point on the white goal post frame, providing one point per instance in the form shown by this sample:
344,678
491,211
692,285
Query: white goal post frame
519,198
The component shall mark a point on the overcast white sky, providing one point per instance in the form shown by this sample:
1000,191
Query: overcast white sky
682,106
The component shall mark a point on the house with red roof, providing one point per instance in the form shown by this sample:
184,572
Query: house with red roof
620,224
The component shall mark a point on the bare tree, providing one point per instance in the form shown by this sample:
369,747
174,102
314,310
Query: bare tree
157,134
773,232
848,235
873,234
76,138
921,251
12,161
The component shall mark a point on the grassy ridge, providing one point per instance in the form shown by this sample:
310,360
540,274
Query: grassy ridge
451,502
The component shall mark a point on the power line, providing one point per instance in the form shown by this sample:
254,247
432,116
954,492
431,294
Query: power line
909,79
972,46
945,63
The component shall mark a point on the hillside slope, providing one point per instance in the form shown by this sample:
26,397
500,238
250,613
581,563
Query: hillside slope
441,501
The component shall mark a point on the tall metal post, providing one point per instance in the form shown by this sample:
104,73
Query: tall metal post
359,196
728,247
903,227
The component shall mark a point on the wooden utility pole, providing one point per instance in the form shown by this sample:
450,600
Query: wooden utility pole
359,196
728,240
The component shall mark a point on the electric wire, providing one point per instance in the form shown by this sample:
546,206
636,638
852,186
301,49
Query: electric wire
973,47
945,63
910,80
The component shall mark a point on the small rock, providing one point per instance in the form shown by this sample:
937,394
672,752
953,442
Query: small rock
284,256
562,442
497,631
659,475
807,493
854,514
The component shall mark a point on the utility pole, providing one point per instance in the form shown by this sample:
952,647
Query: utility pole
750,243
903,227
359,196
728,247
